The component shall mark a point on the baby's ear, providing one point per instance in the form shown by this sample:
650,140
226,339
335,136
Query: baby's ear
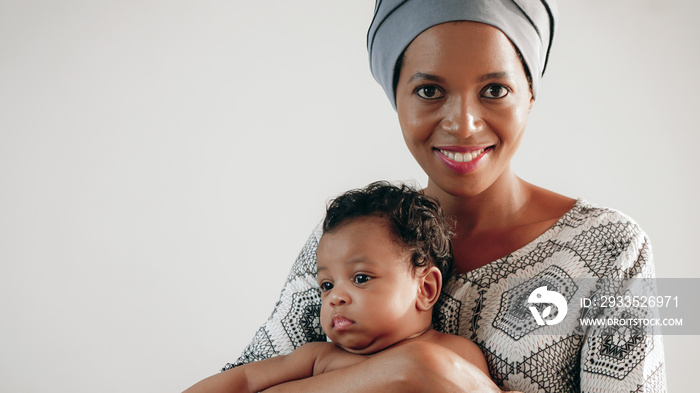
430,284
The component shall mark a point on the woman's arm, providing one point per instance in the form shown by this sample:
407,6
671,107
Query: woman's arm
258,376
413,367
295,319
625,358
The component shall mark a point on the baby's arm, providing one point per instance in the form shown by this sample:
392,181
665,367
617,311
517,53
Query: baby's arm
257,376
416,367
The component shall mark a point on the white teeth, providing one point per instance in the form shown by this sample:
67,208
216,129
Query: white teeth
461,157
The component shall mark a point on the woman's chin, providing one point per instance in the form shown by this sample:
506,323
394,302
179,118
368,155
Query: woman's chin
461,189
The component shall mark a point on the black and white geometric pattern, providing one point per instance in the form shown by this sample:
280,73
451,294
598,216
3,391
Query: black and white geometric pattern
489,306
514,316
295,320
303,324
563,378
446,314
261,348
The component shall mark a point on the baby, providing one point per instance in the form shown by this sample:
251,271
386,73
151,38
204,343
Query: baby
382,259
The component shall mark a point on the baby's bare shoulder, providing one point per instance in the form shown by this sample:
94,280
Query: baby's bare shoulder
463,347
451,339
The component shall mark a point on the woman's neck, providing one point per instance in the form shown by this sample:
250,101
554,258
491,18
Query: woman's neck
495,207
503,218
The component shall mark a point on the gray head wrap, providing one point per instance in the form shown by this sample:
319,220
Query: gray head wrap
529,24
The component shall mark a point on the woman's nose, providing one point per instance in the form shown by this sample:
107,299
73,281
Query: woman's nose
462,118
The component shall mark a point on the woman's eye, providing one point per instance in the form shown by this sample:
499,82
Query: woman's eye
429,92
361,278
326,286
495,91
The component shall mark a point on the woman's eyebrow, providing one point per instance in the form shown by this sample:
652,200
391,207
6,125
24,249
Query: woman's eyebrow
496,75
485,77
430,77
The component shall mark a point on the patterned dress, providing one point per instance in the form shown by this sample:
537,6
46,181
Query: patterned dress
589,252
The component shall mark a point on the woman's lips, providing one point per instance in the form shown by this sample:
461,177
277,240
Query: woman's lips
461,156
462,159
339,322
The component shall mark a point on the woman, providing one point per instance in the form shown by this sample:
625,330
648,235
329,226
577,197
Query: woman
463,77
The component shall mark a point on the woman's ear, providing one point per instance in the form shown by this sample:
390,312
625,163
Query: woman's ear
430,284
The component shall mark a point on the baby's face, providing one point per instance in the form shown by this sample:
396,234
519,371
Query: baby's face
368,289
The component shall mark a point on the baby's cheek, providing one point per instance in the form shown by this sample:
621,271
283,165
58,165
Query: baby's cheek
324,318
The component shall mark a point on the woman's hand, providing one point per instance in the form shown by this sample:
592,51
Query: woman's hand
413,367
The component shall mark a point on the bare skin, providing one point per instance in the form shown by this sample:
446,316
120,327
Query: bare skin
521,222
462,89
315,359
377,309
331,357
394,370
461,94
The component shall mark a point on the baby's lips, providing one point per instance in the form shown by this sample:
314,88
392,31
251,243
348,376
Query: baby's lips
341,322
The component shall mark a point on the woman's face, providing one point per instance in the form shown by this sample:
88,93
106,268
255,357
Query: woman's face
463,101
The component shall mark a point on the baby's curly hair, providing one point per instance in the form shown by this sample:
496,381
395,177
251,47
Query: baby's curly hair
416,221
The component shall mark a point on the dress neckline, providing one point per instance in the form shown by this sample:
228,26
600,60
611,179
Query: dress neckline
549,233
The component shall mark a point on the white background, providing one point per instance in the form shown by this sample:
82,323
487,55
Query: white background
163,162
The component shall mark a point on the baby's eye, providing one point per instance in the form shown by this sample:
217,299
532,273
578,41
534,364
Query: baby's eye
326,286
361,278
495,91
430,92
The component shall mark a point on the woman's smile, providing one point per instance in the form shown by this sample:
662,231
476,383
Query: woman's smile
462,159
463,101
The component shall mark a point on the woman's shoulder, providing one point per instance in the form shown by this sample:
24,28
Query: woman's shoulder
318,232
577,217
575,212
587,215
606,239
